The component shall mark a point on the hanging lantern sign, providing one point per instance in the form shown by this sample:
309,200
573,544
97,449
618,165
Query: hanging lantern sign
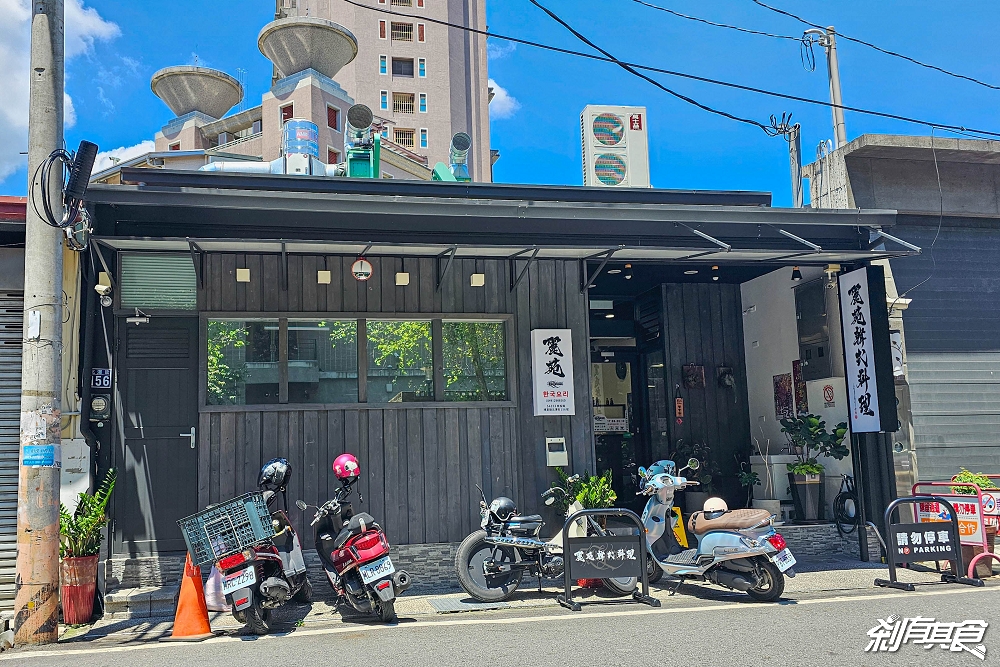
361,269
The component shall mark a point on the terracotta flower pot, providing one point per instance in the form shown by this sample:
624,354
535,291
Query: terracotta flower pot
78,580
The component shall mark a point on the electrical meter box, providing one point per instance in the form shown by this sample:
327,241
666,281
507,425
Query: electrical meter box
555,452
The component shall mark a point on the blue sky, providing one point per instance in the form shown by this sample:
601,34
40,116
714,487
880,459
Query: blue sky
108,79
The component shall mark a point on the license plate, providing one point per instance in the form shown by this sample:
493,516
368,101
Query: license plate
237,580
783,559
373,571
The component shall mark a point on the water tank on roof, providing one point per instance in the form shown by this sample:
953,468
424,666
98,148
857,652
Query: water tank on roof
185,89
306,42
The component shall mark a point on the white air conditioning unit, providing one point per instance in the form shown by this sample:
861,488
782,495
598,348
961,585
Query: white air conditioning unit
615,146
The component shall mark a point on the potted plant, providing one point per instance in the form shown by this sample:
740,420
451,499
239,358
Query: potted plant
984,568
79,549
705,475
593,492
808,439
748,480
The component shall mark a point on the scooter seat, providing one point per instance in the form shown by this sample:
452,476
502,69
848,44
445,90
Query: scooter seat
527,518
732,520
358,524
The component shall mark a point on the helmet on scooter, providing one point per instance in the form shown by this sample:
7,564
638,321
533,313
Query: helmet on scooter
274,475
714,508
503,508
346,467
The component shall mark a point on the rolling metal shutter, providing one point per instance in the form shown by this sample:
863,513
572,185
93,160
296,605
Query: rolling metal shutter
158,281
11,319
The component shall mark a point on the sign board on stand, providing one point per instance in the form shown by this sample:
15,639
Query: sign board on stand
871,399
970,520
552,372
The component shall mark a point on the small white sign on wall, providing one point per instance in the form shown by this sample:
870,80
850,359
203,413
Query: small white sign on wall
552,372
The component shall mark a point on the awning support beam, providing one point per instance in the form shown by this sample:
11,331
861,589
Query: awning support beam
284,267
879,235
450,252
808,244
198,259
589,280
725,246
111,275
513,267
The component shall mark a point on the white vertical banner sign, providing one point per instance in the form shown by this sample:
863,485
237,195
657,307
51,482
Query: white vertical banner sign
552,372
859,352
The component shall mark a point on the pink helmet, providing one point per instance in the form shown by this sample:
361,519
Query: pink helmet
346,466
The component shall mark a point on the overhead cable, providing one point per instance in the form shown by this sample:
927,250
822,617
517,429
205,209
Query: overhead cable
887,52
958,129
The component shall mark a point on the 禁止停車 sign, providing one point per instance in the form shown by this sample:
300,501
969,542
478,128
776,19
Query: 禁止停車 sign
552,372
871,398
970,518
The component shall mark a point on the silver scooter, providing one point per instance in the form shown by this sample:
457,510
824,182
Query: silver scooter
737,549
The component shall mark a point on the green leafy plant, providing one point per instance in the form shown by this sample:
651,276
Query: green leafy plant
809,439
80,531
977,478
748,479
596,492
707,473
223,377
561,502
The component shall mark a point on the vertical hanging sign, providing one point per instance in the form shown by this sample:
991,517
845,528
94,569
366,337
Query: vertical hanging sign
552,371
871,398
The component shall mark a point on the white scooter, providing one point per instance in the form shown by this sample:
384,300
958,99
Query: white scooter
737,549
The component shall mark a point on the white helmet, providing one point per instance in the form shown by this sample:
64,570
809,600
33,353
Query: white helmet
715,505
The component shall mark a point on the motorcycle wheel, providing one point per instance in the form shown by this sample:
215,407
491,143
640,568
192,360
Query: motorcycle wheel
472,553
386,611
772,582
621,585
258,619
653,571
304,594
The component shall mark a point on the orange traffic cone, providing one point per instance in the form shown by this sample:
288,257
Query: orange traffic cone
191,619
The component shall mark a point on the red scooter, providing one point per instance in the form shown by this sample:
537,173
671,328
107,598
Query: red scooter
354,550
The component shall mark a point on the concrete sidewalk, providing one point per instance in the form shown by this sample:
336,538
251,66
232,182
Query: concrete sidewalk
814,575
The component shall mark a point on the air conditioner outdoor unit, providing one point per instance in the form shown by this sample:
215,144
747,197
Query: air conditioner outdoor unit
615,146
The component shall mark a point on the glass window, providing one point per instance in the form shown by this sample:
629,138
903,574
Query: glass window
323,361
383,66
422,67
242,362
423,138
384,99
423,102
400,363
475,364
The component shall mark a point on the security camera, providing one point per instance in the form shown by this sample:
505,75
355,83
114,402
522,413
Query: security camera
103,290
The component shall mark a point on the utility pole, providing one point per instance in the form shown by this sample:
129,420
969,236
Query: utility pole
36,583
828,40
794,139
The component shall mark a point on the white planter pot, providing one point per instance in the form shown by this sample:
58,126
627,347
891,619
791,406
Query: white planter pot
772,506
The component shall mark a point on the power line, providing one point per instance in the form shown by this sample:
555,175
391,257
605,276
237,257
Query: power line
877,48
958,129
717,25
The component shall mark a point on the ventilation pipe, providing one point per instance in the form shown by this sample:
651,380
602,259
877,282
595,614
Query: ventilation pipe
300,155
460,145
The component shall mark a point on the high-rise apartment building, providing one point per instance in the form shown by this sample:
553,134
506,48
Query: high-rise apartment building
426,80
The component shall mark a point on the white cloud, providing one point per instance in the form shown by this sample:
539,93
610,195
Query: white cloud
504,105
84,26
104,160
497,50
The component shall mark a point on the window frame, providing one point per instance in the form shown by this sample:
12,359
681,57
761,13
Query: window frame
383,64
437,342
424,139
383,30
421,102
422,68
420,36
336,117
383,100
281,113
334,151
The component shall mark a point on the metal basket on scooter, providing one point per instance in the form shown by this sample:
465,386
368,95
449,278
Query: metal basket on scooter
227,528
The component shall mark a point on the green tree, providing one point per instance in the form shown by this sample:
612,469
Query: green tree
476,349
224,336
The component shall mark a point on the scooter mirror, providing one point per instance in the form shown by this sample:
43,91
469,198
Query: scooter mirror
550,500
693,464
301,504
642,472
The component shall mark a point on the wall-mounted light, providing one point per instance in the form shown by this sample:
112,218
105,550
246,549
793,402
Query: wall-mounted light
323,277
796,274
610,316
402,278
628,272
614,272
477,279
242,275
691,272
715,273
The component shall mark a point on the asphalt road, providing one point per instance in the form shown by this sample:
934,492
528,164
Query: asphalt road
821,629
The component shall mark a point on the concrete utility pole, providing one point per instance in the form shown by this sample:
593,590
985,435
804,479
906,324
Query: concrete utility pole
828,40
36,583
794,139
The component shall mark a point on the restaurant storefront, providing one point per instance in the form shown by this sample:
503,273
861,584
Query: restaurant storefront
243,326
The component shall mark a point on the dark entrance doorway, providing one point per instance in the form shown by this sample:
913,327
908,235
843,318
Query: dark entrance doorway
158,460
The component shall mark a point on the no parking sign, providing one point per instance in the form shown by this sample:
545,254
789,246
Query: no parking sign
991,509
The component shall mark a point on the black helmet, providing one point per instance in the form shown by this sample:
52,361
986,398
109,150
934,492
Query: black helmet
503,508
275,474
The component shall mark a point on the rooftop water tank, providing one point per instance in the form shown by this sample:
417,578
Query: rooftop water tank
306,42
185,89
